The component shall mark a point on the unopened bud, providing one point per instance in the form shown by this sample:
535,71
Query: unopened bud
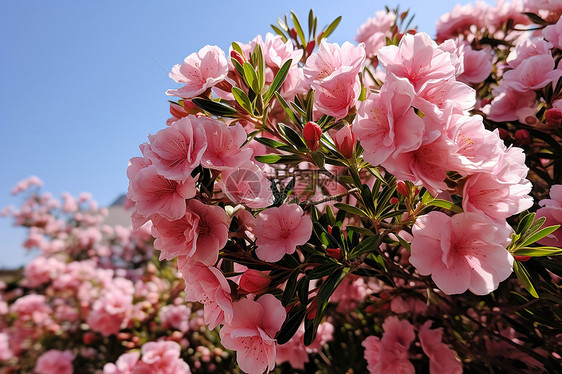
394,200
345,141
522,136
522,258
553,117
293,33
312,134
254,281
334,253
310,47
237,56
402,189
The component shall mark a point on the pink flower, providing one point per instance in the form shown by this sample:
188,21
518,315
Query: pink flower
460,20
111,313
42,270
312,134
199,234
506,103
442,359
418,59
161,357
279,230
55,362
199,71
296,353
332,72
552,211
154,194
483,192
533,73
527,48
125,364
374,32
5,351
390,354
207,285
176,150
387,124
251,333
553,33
175,316
247,184
466,251
223,146
477,63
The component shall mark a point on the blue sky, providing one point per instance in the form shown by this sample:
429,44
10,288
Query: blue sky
82,82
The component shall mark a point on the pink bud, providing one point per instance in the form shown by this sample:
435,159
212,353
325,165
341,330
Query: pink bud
503,133
293,33
553,117
394,200
312,133
522,258
310,47
254,281
334,253
402,189
523,136
237,56
345,141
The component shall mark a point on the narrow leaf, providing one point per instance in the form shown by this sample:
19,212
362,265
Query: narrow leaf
242,99
524,278
330,29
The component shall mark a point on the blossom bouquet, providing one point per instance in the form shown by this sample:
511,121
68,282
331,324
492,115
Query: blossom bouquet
391,206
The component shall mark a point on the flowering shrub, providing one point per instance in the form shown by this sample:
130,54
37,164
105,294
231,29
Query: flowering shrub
365,207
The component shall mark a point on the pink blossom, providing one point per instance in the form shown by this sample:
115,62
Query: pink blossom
332,72
32,308
533,73
125,364
176,150
276,52
111,312
551,209
553,33
351,291
207,285
175,316
5,351
26,183
418,59
526,48
466,251
461,20
442,359
247,184
386,124
55,362
477,63
199,71
199,234
345,141
390,354
483,192
251,333
410,305
375,30
279,230
312,133
506,103
154,194
161,357
223,146
542,5
42,270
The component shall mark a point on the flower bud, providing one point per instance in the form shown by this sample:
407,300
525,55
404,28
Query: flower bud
237,56
310,47
254,281
345,141
402,189
523,136
522,258
293,33
553,117
312,133
394,200
334,253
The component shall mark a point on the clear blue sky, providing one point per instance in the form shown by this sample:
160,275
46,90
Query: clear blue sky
82,82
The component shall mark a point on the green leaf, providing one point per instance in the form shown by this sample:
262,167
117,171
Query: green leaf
250,77
215,108
351,209
291,136
525,223
259,63
330,29
291,324
279,32
298,28
278,80
277,159
288,110
445,204
237,48
322,270
290,288
535,18
270,142
310,22
360,230
539,235
538,251
302,290
242,99
366,245
524,278
319,159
